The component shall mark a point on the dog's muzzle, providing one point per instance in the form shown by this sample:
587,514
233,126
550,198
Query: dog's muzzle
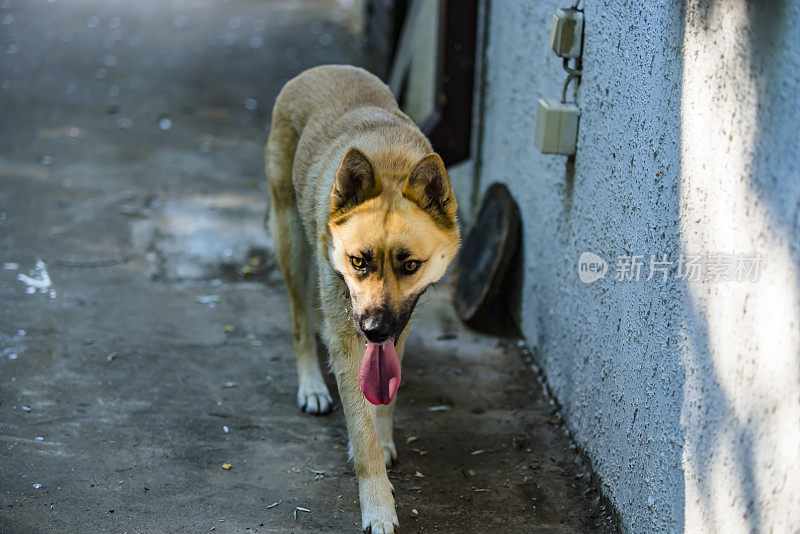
377,326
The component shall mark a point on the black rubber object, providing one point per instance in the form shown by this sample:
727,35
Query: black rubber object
489,267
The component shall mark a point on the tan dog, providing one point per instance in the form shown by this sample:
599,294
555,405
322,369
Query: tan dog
364,220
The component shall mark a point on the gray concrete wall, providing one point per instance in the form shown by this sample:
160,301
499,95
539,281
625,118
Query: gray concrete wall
685,393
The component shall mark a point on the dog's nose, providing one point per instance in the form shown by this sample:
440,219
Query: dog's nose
376,328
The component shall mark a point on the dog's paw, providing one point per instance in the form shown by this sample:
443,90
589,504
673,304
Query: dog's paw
379,519
378,515
386,528
314,398
389,452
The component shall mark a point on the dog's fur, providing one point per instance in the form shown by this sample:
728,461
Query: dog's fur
353,180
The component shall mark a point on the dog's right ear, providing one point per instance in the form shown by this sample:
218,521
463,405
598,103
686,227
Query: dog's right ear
355,181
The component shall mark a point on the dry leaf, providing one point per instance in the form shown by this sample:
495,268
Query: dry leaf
555,421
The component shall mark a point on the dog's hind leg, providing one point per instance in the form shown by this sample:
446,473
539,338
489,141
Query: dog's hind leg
295,257
382,415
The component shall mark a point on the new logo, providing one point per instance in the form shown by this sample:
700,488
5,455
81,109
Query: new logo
591,267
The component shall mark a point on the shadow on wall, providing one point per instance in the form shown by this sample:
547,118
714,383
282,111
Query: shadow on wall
740,194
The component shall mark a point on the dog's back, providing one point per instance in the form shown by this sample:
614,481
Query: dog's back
324,111
327,92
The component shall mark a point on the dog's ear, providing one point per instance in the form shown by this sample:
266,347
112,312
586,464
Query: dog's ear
355,181
429,187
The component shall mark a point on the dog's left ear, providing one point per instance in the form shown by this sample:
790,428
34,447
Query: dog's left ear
429,187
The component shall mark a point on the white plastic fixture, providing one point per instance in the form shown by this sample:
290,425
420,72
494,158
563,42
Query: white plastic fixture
557,127
567,34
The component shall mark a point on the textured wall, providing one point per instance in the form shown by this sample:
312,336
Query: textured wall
741,192
685,394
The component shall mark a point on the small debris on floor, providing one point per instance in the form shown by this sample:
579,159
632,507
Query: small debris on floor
479,451
226,467
300,509
228,328
439,408
421,452
225,428
229,384
273,505
411,439
419,475
414,513
111,356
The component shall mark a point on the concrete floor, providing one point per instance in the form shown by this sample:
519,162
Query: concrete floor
131,156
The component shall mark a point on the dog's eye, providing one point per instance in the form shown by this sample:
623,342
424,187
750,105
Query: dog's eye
410,266
357,262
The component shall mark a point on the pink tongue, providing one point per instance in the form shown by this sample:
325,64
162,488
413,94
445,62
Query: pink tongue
379,376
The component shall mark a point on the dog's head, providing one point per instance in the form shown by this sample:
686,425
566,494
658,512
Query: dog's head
393,234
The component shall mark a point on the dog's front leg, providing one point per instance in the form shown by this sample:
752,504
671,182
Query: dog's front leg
378,515
383,417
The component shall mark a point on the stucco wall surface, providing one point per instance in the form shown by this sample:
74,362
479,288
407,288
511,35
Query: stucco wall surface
740,191
685,393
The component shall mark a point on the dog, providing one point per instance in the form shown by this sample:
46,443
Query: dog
363,218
